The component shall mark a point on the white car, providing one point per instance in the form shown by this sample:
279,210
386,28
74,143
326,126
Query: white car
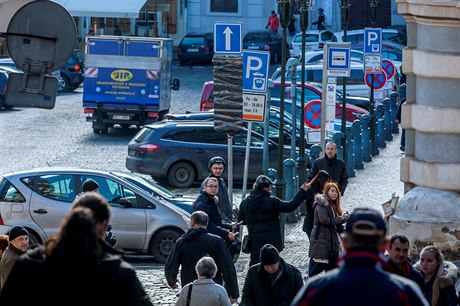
315,56
357,36
314,40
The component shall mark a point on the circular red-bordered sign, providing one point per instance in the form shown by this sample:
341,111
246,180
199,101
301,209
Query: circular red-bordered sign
389,68
313,114
379,79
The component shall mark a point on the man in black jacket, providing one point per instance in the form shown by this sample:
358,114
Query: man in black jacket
191,247
332,165
272,281
360,279
398,258
261,213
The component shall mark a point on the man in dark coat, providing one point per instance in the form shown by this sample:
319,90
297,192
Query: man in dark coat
360,280
261,213
272,281
332,165
398,258
207,202
191,247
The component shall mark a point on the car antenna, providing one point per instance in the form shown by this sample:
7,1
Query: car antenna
48,164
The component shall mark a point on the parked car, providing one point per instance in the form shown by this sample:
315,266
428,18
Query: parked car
70,76
197,48
179,151
314,40
265,41
357,36
311,57
40,199
4,75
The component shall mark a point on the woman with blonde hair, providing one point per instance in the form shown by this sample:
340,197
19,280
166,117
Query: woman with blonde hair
440,277
324,239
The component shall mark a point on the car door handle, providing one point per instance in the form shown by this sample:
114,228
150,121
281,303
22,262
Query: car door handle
41,211
199,151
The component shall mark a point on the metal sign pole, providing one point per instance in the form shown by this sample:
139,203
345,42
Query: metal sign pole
323,99
230,167
246,160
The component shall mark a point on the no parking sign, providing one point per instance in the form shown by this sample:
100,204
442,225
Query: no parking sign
389,68
313,114
379,79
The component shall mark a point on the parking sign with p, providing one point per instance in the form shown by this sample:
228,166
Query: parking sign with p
372,40
255,71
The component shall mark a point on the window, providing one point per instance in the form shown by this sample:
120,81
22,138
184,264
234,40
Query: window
224,6
11,194
112,191
54,186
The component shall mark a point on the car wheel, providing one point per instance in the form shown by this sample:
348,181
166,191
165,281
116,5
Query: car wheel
63,84
181,175
163,244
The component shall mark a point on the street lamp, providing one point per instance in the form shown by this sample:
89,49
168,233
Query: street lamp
301,161
345,14
373,11
374,148
284,11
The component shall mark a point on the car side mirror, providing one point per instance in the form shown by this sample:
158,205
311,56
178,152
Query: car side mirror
125,203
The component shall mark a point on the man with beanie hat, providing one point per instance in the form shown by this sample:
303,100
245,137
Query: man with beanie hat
360,278
272,281
18,245
90,185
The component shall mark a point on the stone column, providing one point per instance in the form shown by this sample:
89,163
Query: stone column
429,212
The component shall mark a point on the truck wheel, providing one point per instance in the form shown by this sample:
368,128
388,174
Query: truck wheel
163,244
101,131
181,175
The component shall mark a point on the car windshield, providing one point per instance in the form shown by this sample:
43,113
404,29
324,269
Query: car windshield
256,37
146,185
193,40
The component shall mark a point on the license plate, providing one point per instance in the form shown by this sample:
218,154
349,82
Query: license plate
120,117
192,50
253,47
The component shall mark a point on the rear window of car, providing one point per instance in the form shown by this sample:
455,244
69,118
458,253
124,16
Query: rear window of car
257,37
143,134
209,136
193,40
10,193
312,38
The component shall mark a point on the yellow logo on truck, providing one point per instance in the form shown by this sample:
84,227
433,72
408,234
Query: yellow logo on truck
121,75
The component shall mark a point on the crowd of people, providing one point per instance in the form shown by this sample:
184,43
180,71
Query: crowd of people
352,261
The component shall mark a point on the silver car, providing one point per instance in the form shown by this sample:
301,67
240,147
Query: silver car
40,199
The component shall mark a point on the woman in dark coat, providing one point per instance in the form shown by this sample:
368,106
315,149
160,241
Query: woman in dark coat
261,213
324,240
315,186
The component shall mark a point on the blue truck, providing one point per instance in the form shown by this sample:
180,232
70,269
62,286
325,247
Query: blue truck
128,80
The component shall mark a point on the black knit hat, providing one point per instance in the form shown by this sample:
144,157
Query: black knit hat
90,185
17,231
269,255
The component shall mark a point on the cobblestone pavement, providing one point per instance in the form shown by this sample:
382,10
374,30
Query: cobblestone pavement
371,187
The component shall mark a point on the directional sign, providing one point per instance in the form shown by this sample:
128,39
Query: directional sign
227,38
379,79
313,114
255,70
373,40
389,68
254,107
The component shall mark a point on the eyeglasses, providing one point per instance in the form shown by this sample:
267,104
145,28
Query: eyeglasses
212,186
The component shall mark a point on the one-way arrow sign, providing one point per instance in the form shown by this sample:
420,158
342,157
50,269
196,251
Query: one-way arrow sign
227,38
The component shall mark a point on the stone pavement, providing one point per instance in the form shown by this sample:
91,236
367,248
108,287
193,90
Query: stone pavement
371,187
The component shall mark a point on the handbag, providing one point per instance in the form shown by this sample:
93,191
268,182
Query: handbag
246,246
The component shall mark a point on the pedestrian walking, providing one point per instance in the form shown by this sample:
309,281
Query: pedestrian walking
291,25
398,121
398,258
216,166
76,266
321,21
324,241
315,186
191,247
260,212
207,202
272,282
359,280
273,22
440,277
18,245
204,291
332,165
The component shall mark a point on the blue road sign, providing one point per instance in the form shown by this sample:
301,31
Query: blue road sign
338,58
228,38
373,40
255,70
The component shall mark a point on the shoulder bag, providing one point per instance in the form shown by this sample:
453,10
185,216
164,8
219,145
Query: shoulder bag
189,295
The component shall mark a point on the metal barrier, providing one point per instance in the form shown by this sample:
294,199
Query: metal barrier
350,154
291,179
367,156
394,103
380,127
387,119
358,144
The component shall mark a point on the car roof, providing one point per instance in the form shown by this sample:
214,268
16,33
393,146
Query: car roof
41,170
